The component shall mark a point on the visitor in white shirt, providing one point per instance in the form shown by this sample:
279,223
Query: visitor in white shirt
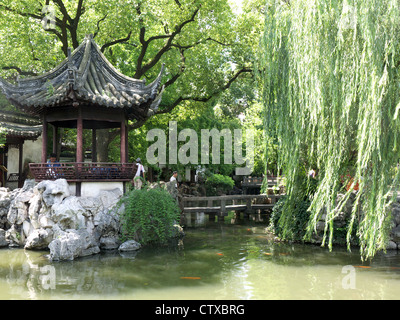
139,176
173,178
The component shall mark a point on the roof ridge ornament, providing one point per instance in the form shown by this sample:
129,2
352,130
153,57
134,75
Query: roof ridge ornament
71,71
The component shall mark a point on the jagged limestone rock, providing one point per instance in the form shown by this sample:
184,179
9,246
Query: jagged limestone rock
39,239
72,244
53,192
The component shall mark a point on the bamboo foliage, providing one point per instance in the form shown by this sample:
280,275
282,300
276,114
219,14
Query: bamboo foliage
331,95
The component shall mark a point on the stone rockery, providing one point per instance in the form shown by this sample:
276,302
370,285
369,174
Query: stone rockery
44,216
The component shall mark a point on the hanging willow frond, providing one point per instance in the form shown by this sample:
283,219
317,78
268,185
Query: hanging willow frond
331,94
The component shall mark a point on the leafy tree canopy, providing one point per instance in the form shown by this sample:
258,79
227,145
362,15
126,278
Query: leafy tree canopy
193,39
207,48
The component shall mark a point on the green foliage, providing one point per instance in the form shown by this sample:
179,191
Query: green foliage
206,47
5,105
3,137
217,184
331,94
295,229
148,216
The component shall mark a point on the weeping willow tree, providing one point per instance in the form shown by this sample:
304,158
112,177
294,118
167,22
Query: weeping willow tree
331,92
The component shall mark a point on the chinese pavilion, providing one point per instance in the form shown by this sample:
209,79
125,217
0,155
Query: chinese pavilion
85,92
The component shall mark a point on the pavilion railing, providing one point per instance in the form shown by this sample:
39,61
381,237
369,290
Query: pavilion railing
83,171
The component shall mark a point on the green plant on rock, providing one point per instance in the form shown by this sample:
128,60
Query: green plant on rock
148,216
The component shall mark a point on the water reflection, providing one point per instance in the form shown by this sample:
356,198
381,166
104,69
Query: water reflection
24,274
217,262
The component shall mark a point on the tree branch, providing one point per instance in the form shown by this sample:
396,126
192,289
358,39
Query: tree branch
20,71
98,25
79,11
56,32
182,69
177,45
73,26
179,4
23,14
169,108
173,105
141,70
111,43
64,11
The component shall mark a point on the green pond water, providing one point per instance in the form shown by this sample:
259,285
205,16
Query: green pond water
221,261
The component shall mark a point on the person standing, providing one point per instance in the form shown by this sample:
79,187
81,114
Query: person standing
172,186
173,190
139,176
174,179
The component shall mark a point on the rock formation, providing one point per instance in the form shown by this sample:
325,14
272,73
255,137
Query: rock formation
45,216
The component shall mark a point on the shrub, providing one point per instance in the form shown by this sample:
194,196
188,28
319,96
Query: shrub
295,228
217,184
298,224
149,215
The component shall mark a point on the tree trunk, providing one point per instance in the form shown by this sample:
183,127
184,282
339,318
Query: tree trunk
103,140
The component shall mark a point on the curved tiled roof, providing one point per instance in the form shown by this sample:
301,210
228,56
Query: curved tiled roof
21,130
17,124
86,77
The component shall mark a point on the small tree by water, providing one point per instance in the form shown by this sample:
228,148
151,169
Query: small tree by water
149,215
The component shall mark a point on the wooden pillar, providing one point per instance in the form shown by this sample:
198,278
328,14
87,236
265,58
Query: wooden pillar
79,150
79,137
126,142
2,181
94,146
44,140
21,157
55,139
124,139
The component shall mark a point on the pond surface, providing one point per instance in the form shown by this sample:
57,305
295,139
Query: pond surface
220,261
